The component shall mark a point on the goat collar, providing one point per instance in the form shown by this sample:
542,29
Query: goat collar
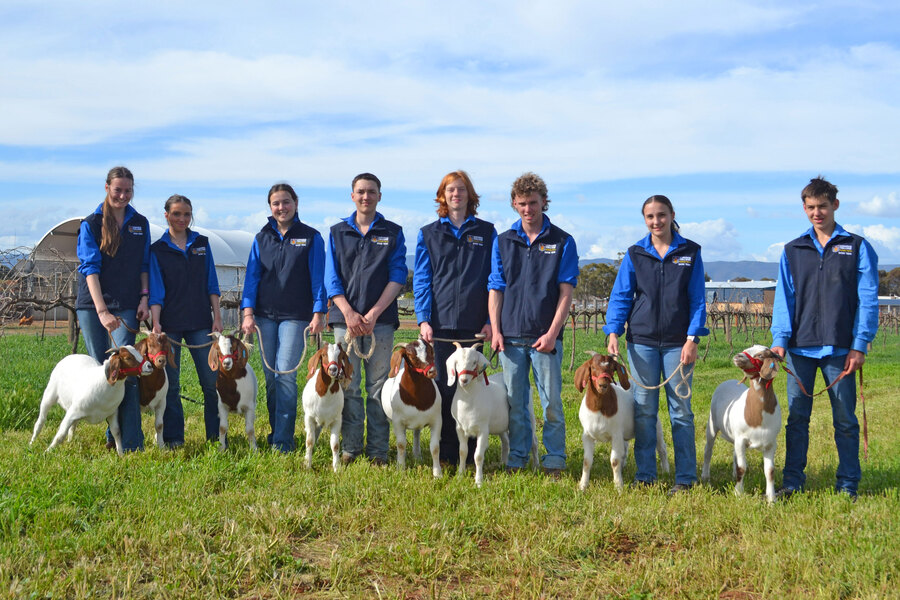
340,370
133,370
232,356
156,355
476,374
754,372
596,378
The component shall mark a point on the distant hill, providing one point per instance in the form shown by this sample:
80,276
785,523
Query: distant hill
718,270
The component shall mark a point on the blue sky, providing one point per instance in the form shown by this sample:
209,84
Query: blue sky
728,108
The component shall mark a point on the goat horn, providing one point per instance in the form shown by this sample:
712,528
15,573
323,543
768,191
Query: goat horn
457,345
590,353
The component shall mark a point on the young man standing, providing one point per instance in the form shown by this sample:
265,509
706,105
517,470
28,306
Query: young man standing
365,270
534,271
825,314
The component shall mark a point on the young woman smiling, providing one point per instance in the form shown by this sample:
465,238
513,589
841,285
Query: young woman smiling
660,293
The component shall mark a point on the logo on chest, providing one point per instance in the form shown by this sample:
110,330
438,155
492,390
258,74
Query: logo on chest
135,230
302,242
843,249
201,251
474,240
381,240
684,261
547,248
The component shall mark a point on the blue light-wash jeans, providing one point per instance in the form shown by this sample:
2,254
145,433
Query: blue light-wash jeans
517,360
369,418
96,340
173,418
650,365
843,414
282,342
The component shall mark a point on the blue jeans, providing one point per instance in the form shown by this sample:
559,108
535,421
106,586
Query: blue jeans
370,417
547,368
96,340
173,418
650,365
843,414
283,343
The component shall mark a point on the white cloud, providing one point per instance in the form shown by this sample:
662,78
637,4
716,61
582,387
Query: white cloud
718,238
885,240
881,207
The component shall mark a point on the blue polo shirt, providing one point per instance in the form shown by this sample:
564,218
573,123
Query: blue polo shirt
359,266
284,279
451,271
662,298
529,275
826,299
181,282
120,275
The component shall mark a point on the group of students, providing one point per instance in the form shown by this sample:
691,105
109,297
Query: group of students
514,289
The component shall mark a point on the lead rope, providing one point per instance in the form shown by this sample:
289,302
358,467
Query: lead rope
865,419
262,352
682,383
352,344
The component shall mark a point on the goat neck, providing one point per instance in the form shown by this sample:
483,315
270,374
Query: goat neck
416,387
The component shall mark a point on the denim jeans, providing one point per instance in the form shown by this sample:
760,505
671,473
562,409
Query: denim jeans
516,359
650,365
370,417
283,343
843,414
96,340
173,418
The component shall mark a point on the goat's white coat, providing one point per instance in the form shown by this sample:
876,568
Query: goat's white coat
79,385
404,416
617,430
324,411
480,409
726,416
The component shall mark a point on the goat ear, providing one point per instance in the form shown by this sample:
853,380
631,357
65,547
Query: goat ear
311,363
581,375
347,366
451,370
213,358
141,346
243,355
112,369
623,376
396,360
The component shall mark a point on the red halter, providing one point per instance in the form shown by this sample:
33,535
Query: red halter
754,372
133,370
475,374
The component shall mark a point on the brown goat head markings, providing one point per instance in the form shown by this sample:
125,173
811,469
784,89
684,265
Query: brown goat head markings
594,377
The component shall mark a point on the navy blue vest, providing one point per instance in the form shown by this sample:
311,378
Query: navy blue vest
532,282
661,312
363,266
460,270
825,291
186,304
120,275
285,283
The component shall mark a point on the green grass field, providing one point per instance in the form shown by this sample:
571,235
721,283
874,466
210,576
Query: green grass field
81,522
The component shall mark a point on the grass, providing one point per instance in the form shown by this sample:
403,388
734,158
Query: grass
196,523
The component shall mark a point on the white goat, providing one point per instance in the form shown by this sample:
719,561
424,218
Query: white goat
747,417
235,384
89,391
607,415
323,398
481,408
411,400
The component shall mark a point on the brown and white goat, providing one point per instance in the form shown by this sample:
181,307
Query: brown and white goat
410,399
89,391
323,398
157,349
747,417
235,384
607,415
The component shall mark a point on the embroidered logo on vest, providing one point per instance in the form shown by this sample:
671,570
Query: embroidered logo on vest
547,248
844,249
135,230
381,240
299,242
201,251
684,261
475,240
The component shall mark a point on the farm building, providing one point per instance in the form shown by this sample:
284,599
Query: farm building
739,292
55,259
